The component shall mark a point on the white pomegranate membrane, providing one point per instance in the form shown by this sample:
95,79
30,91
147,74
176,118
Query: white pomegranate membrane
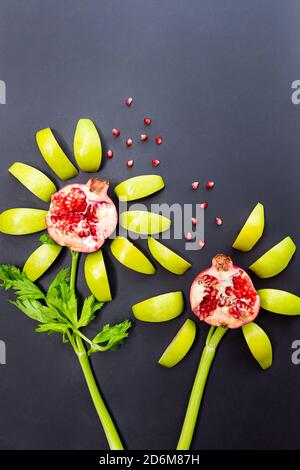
82,216
223,295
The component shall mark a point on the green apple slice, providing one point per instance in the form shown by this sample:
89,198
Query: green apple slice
144,222
252,230
87,146
259,344
40,260
279,301
275,260
34,180
160,308
96,276
167,258
54,155
139,187
130,256
180,345
22,221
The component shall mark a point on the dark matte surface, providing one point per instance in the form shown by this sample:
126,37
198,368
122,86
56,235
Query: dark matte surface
215,77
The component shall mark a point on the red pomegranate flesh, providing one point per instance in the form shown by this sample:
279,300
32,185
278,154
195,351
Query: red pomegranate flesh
223,295
82,216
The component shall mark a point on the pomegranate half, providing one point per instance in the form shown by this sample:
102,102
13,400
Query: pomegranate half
82,216
223,295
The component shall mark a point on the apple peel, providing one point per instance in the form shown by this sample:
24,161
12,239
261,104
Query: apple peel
167,258
87,146
275,260
259,344
160,308
180,345
96,276
139,187
279,301
130,256
144,222
34,180
54,155
252,230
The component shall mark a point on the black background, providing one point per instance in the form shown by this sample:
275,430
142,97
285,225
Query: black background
215,76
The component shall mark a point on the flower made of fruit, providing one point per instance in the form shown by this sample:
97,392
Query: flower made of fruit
82,216
224,295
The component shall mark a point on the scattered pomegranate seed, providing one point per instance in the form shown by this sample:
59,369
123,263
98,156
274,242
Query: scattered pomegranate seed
129,143
218,221
128,102
109,154
143,137
155,162
195,185
147,121
210,184
158,139
189,236
201,243
130,163
203,205
194,221
116,132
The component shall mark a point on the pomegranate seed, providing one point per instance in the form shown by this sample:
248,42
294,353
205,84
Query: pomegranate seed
194,221
109,154
201,243
218,221
129,143
195,185
143,137
155,162
128,102
203,205
210,185
147,121
158,139
130,163
116,132
189,236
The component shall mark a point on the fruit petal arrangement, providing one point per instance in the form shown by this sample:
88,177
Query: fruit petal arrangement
82,216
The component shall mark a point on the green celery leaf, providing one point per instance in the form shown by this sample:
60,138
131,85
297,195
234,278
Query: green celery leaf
47,240
90,307
12,278
113,336
34,310
52,328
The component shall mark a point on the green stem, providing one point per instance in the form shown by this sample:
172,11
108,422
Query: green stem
75,257
109,428
207,356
